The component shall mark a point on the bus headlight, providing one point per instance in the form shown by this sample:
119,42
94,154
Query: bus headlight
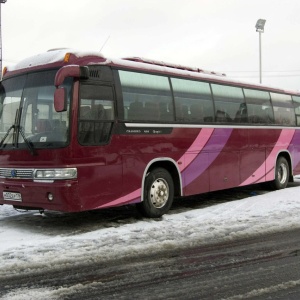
55,174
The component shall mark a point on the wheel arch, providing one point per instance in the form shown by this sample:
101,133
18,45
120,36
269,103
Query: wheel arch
171,166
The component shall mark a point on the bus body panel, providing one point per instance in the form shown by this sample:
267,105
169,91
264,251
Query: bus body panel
106,178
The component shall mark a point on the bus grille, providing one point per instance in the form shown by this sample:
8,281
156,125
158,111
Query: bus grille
16,173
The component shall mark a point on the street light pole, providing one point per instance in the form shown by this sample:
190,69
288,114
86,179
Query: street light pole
1,2
260,71
260,25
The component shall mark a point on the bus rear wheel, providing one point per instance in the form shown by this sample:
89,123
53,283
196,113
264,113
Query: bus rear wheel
282,174
158,194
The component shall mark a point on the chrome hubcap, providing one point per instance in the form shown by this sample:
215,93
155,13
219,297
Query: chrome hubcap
159,193
282,173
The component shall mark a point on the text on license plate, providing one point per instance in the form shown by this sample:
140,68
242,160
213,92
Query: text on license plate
12,196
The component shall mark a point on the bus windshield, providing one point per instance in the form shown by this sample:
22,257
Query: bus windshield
27,115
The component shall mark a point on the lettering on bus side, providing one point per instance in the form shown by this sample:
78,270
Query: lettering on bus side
141,130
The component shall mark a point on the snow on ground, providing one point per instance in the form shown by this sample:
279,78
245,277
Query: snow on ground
33,242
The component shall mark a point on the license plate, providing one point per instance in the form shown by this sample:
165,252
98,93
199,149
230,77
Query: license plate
11,196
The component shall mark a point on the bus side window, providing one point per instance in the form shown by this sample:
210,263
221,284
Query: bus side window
152,111
96,114
222,117
85,112
182,113
99,114
228,103
85,127
142,95
242,114
196,112
95,122
193,101
166,114
284,112
259,107
296,102
136,111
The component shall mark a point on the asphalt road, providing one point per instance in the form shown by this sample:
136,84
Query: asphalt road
266,267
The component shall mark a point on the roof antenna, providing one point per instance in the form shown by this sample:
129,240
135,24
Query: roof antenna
105,43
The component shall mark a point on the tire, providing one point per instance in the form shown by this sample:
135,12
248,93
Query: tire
158,194
282,174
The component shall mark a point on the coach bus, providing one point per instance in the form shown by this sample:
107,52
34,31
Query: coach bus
79,131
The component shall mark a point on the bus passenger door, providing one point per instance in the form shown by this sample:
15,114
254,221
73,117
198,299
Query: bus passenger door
101,166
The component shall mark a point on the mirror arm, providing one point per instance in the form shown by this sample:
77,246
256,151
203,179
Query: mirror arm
60,94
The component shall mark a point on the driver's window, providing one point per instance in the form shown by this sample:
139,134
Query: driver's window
96,114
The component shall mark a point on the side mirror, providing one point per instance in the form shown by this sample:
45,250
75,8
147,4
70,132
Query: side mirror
60,94
70,71
60,99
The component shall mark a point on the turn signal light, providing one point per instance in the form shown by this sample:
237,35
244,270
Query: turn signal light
67,57
4,71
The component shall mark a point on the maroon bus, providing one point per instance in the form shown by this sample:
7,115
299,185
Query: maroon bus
79,131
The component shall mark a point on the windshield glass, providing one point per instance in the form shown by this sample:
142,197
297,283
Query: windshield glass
27,114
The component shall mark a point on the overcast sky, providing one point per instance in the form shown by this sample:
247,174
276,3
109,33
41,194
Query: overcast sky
217,35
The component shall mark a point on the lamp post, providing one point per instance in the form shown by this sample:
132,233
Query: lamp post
1,2
260,25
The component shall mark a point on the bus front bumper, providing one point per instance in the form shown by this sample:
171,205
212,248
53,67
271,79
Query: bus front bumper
58,195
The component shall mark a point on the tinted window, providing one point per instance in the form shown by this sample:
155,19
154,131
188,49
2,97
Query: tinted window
296,100
259,107
193,101
283,109
146,97
96,114
229,104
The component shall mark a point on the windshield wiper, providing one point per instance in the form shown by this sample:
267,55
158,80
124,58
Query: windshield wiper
6,135
18,129
27,143
13,126
21,130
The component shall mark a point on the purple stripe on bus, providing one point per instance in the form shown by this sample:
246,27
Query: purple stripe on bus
294,148
203,160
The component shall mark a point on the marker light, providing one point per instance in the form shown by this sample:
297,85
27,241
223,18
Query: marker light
50,197
67,57
4,71
56,174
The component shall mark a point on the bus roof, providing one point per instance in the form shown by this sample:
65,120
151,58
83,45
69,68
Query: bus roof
65,56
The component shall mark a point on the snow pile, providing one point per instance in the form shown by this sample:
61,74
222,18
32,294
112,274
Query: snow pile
34,242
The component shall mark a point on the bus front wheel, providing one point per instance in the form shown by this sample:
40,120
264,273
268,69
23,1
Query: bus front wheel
158,194
282,174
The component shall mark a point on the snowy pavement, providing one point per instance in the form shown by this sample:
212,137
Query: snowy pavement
31,242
